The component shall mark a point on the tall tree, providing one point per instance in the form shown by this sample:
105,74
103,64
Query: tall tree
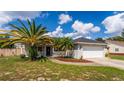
31,35
117,38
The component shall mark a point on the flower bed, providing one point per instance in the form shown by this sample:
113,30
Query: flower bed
72,60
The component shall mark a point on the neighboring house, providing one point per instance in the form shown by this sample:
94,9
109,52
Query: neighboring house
87,48
115,47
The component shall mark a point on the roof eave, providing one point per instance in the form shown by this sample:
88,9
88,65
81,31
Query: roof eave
90,43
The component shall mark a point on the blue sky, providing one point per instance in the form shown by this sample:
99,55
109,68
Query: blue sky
89,24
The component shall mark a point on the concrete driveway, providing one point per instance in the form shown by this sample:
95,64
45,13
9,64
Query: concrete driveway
108,62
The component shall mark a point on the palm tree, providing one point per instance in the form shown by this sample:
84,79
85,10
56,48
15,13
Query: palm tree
31,35
66,44
57,43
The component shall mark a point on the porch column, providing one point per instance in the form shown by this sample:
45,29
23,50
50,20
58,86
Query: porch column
52,50
44,51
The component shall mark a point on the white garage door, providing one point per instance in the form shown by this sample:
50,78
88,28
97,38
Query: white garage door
93,52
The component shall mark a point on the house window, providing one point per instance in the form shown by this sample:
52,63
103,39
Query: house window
40,48
116,49
80,46
75,47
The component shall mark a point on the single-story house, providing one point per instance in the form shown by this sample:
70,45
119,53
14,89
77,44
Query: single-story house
115,47
87,48
83,48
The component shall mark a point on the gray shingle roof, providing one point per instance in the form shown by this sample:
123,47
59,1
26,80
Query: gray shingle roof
85,40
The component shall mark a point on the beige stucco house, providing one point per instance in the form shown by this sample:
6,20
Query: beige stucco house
115,47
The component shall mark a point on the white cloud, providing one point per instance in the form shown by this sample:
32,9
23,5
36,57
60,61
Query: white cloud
114,24
82,29
64,18
95,29
57,33
6,17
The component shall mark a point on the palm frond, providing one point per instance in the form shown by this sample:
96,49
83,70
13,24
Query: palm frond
19,29
33,27
30,26
24,27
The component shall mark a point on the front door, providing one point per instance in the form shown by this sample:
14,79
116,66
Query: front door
48,51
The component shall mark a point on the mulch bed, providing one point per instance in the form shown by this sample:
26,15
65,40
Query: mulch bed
73,60
116,54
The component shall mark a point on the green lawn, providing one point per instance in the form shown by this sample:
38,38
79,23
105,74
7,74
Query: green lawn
14,68
119,57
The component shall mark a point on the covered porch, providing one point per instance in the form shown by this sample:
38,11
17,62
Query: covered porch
45,50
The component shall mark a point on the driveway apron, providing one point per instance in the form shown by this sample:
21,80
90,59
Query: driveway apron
108,62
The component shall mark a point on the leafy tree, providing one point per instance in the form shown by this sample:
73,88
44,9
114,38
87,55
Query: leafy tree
1,43
31,35
99,39
116,38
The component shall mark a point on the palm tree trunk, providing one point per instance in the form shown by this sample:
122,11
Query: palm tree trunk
33,52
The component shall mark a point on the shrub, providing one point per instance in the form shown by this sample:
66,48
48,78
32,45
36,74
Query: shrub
43,59
67,56
2,55
22,56
107,55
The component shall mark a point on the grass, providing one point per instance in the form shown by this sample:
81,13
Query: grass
119,57
14,68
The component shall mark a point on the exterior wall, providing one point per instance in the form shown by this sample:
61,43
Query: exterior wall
79,50
112,48
58,53
11,52
62,53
